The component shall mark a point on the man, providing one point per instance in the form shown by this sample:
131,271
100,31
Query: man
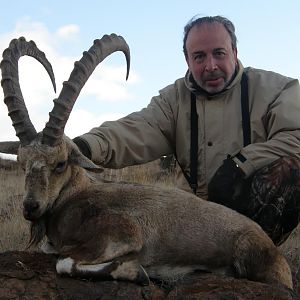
222,126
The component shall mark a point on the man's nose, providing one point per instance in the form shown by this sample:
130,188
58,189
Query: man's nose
211,64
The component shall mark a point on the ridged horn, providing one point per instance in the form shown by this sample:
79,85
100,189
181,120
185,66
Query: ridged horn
13,97
83,68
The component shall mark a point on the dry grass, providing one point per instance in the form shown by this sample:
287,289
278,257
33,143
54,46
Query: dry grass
14,229
150,173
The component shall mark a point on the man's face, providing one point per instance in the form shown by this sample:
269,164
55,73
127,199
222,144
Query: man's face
210,56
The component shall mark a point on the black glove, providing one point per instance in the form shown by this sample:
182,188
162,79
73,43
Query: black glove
83,147
226,185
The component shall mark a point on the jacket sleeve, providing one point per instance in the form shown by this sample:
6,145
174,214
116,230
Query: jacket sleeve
282,126
137,138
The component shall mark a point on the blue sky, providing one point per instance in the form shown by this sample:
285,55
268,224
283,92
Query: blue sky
267,31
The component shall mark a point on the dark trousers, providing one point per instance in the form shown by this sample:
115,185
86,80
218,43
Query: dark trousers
271,197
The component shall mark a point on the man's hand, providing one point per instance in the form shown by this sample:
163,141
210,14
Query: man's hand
226,185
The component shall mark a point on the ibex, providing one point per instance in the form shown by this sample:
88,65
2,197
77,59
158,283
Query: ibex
121,231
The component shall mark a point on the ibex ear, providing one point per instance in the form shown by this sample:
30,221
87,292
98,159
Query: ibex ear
77,158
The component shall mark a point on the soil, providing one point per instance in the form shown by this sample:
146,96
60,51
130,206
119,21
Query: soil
32,275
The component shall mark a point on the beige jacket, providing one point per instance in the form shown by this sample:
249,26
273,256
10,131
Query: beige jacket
164,127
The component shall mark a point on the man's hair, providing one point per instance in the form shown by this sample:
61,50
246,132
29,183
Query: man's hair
196,21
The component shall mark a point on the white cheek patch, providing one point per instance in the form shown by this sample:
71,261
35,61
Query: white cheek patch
65,265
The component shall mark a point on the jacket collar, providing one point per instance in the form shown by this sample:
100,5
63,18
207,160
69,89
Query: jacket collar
194,88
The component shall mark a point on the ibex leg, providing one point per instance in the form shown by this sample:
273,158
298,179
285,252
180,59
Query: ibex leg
121,269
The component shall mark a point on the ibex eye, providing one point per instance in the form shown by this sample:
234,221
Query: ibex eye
60,167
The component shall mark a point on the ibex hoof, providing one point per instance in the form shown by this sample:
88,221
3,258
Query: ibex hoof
142,277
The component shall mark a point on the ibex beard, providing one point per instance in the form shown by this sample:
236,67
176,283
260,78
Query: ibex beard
122,231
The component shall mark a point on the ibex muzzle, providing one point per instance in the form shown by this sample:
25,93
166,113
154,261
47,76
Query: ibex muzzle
116,230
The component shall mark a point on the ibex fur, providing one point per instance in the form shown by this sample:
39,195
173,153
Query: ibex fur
123,231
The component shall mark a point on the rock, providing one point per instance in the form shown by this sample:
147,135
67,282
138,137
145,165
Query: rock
32,275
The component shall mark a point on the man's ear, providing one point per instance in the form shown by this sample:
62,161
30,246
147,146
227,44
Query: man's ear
77,158
235,55
186,59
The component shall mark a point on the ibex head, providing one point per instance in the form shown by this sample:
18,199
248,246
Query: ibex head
49,158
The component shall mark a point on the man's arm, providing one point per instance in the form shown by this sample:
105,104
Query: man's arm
137,138
282,125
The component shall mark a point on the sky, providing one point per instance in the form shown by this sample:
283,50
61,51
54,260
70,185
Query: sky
267,32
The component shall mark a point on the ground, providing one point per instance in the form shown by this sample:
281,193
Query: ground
31,275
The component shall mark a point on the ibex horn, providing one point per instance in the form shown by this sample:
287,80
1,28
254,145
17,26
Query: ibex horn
13,97
83,68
